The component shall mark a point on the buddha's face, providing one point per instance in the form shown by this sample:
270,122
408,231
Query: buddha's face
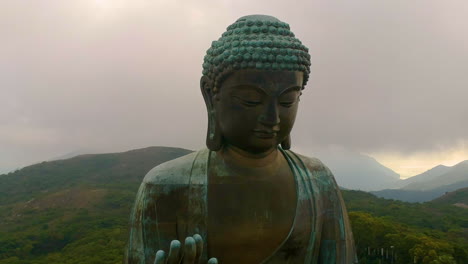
256,109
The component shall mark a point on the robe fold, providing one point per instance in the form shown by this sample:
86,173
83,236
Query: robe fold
172,204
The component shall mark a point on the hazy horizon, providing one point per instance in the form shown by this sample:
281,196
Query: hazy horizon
388,78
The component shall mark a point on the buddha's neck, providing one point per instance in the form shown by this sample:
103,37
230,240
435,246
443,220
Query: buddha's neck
235,156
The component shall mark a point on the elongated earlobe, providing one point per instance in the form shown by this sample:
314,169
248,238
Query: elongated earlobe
286,144
214,137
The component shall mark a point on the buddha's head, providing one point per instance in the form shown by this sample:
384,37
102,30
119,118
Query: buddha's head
252,79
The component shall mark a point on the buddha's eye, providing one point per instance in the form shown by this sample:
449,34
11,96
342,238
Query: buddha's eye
288,101
287,104
247,102
252,103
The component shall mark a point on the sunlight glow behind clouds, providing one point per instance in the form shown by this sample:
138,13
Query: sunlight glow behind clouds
411,164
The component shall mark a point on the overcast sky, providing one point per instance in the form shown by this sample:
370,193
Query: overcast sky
389,78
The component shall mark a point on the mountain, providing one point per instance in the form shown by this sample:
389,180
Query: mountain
357,171
430,184
418,196
47,177
74,209
455,174
77,211
427,175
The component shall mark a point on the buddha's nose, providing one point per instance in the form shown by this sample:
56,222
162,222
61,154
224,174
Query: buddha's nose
270,116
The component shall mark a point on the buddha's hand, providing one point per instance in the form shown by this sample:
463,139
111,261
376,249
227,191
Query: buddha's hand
193,249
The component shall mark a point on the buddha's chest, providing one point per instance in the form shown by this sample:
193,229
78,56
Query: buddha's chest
248,217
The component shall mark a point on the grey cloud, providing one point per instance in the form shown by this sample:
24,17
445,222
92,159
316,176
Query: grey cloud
385,75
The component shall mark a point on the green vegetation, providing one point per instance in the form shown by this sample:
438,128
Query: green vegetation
46,177
77,211
428,233
459,197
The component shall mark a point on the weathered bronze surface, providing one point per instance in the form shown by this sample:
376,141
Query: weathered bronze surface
247,198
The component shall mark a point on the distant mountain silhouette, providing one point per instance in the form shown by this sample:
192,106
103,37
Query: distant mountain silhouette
427,175
457,173
414,196
430,184
357,171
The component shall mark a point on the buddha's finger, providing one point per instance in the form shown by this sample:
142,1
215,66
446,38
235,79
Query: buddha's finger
190,250
174,252
199,246
213,261
160,257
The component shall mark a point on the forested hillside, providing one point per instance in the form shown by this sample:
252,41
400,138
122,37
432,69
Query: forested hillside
432,232
74,210
77,210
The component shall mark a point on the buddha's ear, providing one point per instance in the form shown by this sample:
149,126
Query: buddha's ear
207,89
214,139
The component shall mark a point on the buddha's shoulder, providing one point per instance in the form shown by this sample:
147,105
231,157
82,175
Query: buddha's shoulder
177,171
312,163
320,173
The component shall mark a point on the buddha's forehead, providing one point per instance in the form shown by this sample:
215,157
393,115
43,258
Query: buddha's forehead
270,81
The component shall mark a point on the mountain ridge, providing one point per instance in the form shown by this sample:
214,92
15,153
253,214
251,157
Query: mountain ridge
427,175
37,178
357,171
430,184
453,174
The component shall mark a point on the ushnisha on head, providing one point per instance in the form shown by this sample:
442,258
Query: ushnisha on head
258,43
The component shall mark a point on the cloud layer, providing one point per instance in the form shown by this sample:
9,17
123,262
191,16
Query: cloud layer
387,76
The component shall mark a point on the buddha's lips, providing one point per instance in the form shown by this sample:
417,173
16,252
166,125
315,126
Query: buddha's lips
265,133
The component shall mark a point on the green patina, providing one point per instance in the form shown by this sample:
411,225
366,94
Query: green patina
256,42
328,252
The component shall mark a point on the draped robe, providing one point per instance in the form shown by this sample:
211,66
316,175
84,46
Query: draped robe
172,204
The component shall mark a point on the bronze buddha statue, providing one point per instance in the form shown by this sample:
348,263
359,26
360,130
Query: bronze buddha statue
247,198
